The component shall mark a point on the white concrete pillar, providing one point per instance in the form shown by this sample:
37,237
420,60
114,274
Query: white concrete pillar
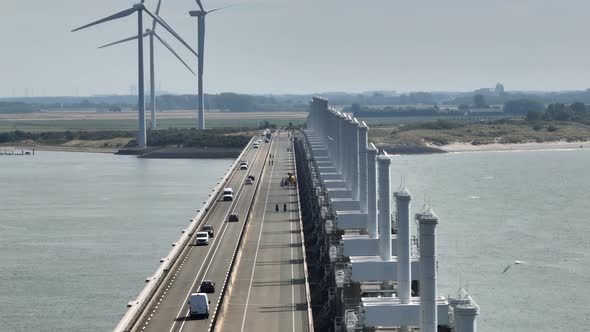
340,141
404,268
465,317
428,308
346,134
355,183
384,207
333,125
363,145
372,191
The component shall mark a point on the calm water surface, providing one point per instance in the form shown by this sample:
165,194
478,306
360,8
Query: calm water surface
497,207
79,233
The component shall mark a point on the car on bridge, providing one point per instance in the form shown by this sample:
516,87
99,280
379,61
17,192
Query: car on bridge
202,239
208,229
207,286
228,194
199,305
243,164
233,217
250,179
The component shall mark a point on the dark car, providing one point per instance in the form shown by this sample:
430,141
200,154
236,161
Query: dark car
252,177
207,286
233,217
208,229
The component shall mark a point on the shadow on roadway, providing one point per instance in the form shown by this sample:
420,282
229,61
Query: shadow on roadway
299,281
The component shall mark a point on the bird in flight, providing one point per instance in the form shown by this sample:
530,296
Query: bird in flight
513,263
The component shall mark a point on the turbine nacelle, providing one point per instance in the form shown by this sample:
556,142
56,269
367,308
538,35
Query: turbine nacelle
197,13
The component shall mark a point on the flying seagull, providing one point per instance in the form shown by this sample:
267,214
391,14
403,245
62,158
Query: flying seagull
513,263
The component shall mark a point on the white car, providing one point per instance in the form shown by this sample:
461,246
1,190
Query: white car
202,238
244,166
228,194
256,146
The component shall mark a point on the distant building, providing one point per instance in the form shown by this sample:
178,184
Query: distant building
483,91
499,89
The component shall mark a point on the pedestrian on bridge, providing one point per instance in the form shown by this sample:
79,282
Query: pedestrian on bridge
284,207
277,208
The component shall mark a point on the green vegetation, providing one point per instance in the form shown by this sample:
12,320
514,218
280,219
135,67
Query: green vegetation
170,137
130,124
500,131
195,138
16,107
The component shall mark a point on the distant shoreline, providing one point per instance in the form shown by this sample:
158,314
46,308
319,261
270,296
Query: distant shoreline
59,148
527,146
217,153
150,153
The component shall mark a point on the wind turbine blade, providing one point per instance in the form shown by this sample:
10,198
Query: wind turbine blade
118,15
167,27
124,40
173,52
220,8
157,13
200,5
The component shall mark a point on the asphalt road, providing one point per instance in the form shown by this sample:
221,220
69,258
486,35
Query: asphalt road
268,290
168,310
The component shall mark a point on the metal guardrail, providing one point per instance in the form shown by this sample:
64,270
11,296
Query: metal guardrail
305,271
238,245
137,306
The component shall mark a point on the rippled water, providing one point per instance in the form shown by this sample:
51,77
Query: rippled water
79,233
497,207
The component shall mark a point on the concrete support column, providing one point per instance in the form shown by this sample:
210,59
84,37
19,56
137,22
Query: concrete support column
465,317
428,309
372,191
363,145
332,151
345,149
338,127
355,160
404,268
384,208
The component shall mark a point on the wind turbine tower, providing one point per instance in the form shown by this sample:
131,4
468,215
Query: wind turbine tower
140,9
152,33
200,14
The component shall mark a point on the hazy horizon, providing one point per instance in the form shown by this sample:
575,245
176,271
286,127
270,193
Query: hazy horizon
303,47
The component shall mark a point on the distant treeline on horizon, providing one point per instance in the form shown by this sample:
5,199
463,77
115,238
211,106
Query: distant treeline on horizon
268,103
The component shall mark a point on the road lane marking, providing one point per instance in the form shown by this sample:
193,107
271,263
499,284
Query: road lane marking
259,238
225,226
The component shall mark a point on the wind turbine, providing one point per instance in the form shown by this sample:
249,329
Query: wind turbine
139,8
152,33
200,14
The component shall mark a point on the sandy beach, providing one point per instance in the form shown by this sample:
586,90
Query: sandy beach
468,147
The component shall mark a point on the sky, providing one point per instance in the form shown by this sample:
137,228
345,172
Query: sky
302,46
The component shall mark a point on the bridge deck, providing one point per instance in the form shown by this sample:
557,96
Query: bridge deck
269,290
269,276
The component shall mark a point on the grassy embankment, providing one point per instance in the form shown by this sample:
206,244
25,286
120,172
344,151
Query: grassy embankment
443,132
190,138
